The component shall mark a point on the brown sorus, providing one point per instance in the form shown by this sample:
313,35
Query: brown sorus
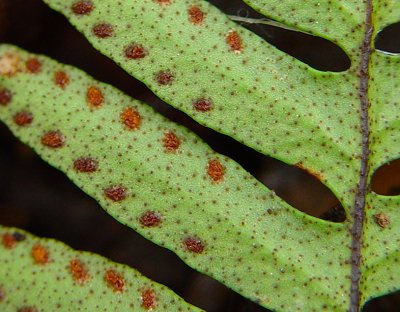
79,272
171,141
61,79
150,219
196,15
130,117
114,280
53,139
5,97
135,51
82,7
40,254
23,118
193,244
103,30
85,164
116,193
203,105
234,41
215,170
94,96
148,297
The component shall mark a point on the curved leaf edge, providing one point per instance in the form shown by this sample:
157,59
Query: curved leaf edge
47,275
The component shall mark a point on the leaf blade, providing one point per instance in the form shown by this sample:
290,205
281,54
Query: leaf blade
257,93
69,280
229,223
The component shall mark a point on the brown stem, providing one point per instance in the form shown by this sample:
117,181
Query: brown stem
359,204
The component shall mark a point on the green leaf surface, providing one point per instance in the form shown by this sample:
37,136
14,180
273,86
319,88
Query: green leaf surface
38,275
259,94
339,126
203,206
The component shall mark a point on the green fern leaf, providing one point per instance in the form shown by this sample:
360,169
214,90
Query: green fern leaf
339,126
39,274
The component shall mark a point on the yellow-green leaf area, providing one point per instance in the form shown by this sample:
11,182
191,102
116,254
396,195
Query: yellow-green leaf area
175,190
258,94
342,22
381,239
341,127
164,182
44,275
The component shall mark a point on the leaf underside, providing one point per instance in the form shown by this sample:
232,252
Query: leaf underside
212,213
34,270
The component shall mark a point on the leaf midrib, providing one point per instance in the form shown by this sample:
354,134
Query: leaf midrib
359,204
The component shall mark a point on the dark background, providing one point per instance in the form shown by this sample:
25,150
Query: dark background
38,198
